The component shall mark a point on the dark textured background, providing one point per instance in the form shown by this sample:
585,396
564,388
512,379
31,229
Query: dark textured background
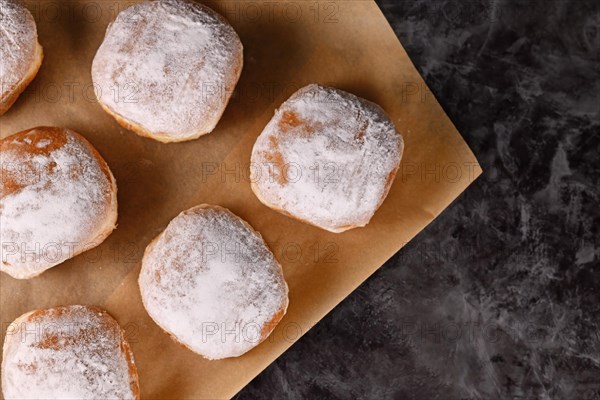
499,298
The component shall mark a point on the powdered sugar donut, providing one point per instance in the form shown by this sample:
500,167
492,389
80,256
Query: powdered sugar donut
211,282
327,158
167,69
20,53
73,352
58,198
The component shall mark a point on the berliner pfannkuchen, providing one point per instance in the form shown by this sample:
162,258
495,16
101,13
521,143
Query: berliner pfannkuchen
58,198
72,352
167,69
327,158
211,282
20,53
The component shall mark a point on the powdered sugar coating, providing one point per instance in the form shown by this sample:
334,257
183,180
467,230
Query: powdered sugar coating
18,42
57,199
168,67
73,352
327,157
210,281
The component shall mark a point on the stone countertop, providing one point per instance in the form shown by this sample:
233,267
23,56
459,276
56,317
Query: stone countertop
499,298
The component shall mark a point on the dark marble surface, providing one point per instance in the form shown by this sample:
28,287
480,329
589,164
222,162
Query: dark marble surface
499,298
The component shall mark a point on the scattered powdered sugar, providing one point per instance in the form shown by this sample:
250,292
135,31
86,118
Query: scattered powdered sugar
54,198
18,42
210,280
73,352
326,157
169,66
42,143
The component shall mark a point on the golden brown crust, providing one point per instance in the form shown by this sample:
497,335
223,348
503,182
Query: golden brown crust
55,138
194,110
40,143
143,132
320,127
280,210
131,366
266,329
58,333
388,186
10,97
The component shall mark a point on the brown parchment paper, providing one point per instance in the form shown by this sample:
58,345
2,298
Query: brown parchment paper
347,44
